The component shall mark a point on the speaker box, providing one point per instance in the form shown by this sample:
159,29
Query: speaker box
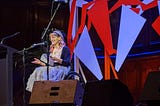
151,91
60,92
107,93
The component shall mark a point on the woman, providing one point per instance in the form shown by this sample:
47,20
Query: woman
59,61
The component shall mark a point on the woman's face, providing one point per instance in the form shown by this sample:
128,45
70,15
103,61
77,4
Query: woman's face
54,38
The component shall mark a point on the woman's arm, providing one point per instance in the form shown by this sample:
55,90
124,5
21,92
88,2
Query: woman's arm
65,57
39,62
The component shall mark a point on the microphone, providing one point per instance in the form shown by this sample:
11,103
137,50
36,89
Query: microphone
9,36
34,45
38,44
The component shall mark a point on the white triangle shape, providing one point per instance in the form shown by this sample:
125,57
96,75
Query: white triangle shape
130,26
85,52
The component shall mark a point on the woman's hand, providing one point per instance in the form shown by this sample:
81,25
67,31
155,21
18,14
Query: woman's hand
57,59
39,62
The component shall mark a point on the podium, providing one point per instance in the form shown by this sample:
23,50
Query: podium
6,75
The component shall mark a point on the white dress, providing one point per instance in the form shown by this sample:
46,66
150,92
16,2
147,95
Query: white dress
56,73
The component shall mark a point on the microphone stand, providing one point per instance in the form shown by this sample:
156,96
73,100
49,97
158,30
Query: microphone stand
24,76
43,35
9,37
52,17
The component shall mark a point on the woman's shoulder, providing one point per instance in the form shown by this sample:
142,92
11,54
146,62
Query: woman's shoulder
65,47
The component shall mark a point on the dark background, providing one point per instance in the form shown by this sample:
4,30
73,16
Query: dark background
30,18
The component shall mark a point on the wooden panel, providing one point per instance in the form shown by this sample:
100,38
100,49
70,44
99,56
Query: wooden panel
134,73
151,90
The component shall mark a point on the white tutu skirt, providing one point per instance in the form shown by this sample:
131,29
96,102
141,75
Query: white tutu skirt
40,74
